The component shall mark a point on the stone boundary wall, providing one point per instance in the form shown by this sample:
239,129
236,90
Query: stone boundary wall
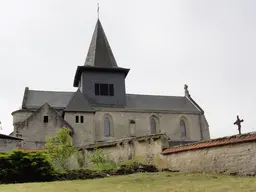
236,158
7,145
145,148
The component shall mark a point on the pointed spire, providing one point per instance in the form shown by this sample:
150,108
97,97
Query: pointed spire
100,53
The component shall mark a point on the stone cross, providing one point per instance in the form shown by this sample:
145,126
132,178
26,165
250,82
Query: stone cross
186,90
238,123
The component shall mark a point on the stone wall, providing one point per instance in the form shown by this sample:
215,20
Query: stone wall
168,123
34,130
144,148
234,158
7,145
83,132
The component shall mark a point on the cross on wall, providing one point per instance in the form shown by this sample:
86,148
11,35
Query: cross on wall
238,123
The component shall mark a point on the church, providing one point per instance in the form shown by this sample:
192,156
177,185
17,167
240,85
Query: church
100,110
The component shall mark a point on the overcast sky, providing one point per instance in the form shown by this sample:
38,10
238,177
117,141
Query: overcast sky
208,44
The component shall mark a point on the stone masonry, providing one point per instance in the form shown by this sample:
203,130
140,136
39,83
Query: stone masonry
229,155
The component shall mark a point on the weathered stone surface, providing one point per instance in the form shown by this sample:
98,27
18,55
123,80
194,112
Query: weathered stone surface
235,159
7,145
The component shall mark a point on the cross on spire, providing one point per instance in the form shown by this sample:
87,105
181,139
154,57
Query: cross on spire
238,123
98,10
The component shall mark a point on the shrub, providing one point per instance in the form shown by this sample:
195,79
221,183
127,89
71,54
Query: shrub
60,147
82,159
92,174
80,174
20,166
98,157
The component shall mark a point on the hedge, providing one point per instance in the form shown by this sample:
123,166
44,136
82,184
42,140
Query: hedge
91,174
21,166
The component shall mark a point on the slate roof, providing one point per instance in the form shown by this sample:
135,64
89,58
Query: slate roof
99,57
62,100
78,103
248,137
162,103
55,99
100,53
2,136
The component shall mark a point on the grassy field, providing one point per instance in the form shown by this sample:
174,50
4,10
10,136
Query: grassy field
154,182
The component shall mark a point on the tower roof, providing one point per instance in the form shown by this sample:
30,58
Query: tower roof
99,56
100,53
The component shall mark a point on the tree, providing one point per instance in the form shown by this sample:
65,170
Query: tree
60,147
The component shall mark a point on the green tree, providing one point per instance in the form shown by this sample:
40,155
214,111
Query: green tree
82,158
60,147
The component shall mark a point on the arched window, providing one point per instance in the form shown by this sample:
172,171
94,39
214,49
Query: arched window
107,127
183,131
153,125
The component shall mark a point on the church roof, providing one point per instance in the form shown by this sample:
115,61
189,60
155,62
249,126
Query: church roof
135,102
161,103
35,99
99,57
78,103
100,53
2,136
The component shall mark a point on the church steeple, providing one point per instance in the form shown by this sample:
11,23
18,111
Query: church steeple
99,56
100,79
100,53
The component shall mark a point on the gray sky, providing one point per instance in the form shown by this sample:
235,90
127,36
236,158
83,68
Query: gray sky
208,44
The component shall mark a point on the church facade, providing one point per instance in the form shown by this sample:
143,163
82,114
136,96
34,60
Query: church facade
101,110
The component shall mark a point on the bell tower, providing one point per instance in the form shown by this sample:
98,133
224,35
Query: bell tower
100,79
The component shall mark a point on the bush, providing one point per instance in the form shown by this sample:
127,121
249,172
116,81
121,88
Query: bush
82,159
80,174
92,174
98,157
60,148
101,161
20,166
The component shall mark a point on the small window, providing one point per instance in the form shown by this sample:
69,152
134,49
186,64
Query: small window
104,89
153,125
77,119
81,119
111,89
183,131
45,119
106,127
97,89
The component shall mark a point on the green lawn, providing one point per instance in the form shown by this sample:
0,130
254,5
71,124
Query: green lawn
155,182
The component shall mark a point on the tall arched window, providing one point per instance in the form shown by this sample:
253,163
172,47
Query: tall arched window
107,127
153,125
183,131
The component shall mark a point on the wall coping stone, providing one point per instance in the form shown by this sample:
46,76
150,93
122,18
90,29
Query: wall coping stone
234,139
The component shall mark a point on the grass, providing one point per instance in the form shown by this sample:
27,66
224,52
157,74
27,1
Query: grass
153,182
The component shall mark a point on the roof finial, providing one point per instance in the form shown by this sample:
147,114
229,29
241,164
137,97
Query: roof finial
186,90
98,10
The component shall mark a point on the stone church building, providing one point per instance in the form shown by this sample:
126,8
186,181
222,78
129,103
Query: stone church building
101,110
